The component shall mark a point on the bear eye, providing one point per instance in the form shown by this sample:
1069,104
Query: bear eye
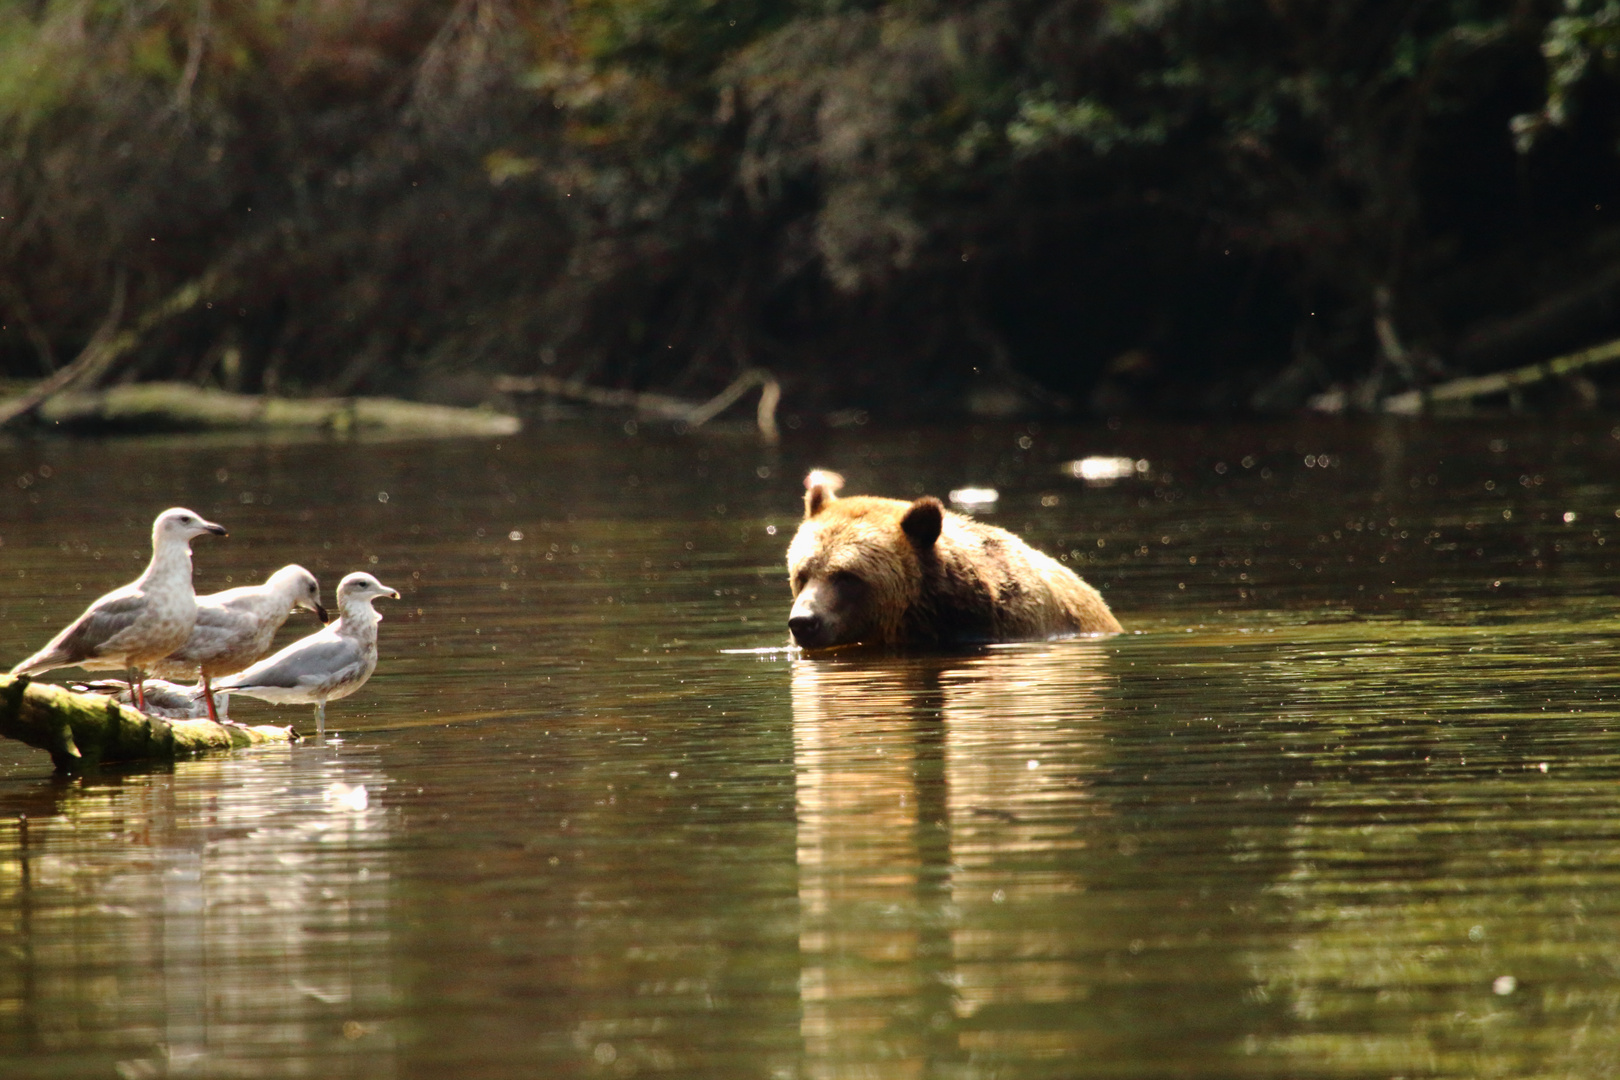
843,577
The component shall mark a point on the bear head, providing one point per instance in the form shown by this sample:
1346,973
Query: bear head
856,565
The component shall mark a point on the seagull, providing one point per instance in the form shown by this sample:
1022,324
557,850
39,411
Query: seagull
235,627
328,664
165,699
140,623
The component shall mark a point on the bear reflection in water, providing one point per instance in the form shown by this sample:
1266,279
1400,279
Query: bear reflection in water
944,812
886,572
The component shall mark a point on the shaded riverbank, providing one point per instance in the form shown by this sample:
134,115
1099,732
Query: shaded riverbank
1170,209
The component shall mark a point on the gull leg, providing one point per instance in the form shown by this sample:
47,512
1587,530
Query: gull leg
208,697
137,688
320,719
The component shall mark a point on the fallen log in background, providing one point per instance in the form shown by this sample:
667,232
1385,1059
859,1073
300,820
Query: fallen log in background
173,406
662,406
1413,402
81,731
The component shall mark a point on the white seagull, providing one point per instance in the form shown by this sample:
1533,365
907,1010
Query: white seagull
140,623
235,627
328,664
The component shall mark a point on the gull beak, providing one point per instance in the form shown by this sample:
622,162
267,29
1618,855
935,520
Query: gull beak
395,594
320,613
217,530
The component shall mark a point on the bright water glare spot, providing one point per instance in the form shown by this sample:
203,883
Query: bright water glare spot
346,797
1105,470
974,498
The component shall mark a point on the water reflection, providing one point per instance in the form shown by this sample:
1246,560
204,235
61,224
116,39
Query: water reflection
938,803
228,918
1444,900
1257,840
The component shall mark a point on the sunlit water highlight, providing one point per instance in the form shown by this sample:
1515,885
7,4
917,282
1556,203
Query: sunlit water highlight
1342,803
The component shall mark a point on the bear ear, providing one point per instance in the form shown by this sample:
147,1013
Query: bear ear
820,488
922,522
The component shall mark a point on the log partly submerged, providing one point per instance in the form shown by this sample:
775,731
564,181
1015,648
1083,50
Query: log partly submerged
81,731
1413,402
662,406
168,406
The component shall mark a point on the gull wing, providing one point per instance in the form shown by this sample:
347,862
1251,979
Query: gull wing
84,638
314,663
163,698
217,631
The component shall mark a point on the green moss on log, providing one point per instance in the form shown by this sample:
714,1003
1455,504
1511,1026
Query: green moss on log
81,731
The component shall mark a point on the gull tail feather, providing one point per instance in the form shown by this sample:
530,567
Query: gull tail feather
44,660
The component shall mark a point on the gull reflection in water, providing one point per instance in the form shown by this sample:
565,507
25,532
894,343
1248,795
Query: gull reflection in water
228,918
938,802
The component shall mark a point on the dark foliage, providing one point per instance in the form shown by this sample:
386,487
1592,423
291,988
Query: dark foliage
1180,205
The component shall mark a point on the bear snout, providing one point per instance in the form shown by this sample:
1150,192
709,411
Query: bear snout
830,610
808,630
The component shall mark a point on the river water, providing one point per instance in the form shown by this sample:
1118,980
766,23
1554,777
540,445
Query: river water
1343,802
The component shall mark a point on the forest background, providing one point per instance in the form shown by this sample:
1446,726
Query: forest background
1100,206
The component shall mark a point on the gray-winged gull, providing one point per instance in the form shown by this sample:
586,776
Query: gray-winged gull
140,623
329,664
235,627
169,700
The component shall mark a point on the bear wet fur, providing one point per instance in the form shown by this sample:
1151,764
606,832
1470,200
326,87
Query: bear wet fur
887,572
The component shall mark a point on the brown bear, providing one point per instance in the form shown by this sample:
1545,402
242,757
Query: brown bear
887,572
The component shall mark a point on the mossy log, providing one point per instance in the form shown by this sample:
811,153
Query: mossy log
1414,402
81,731
169,406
